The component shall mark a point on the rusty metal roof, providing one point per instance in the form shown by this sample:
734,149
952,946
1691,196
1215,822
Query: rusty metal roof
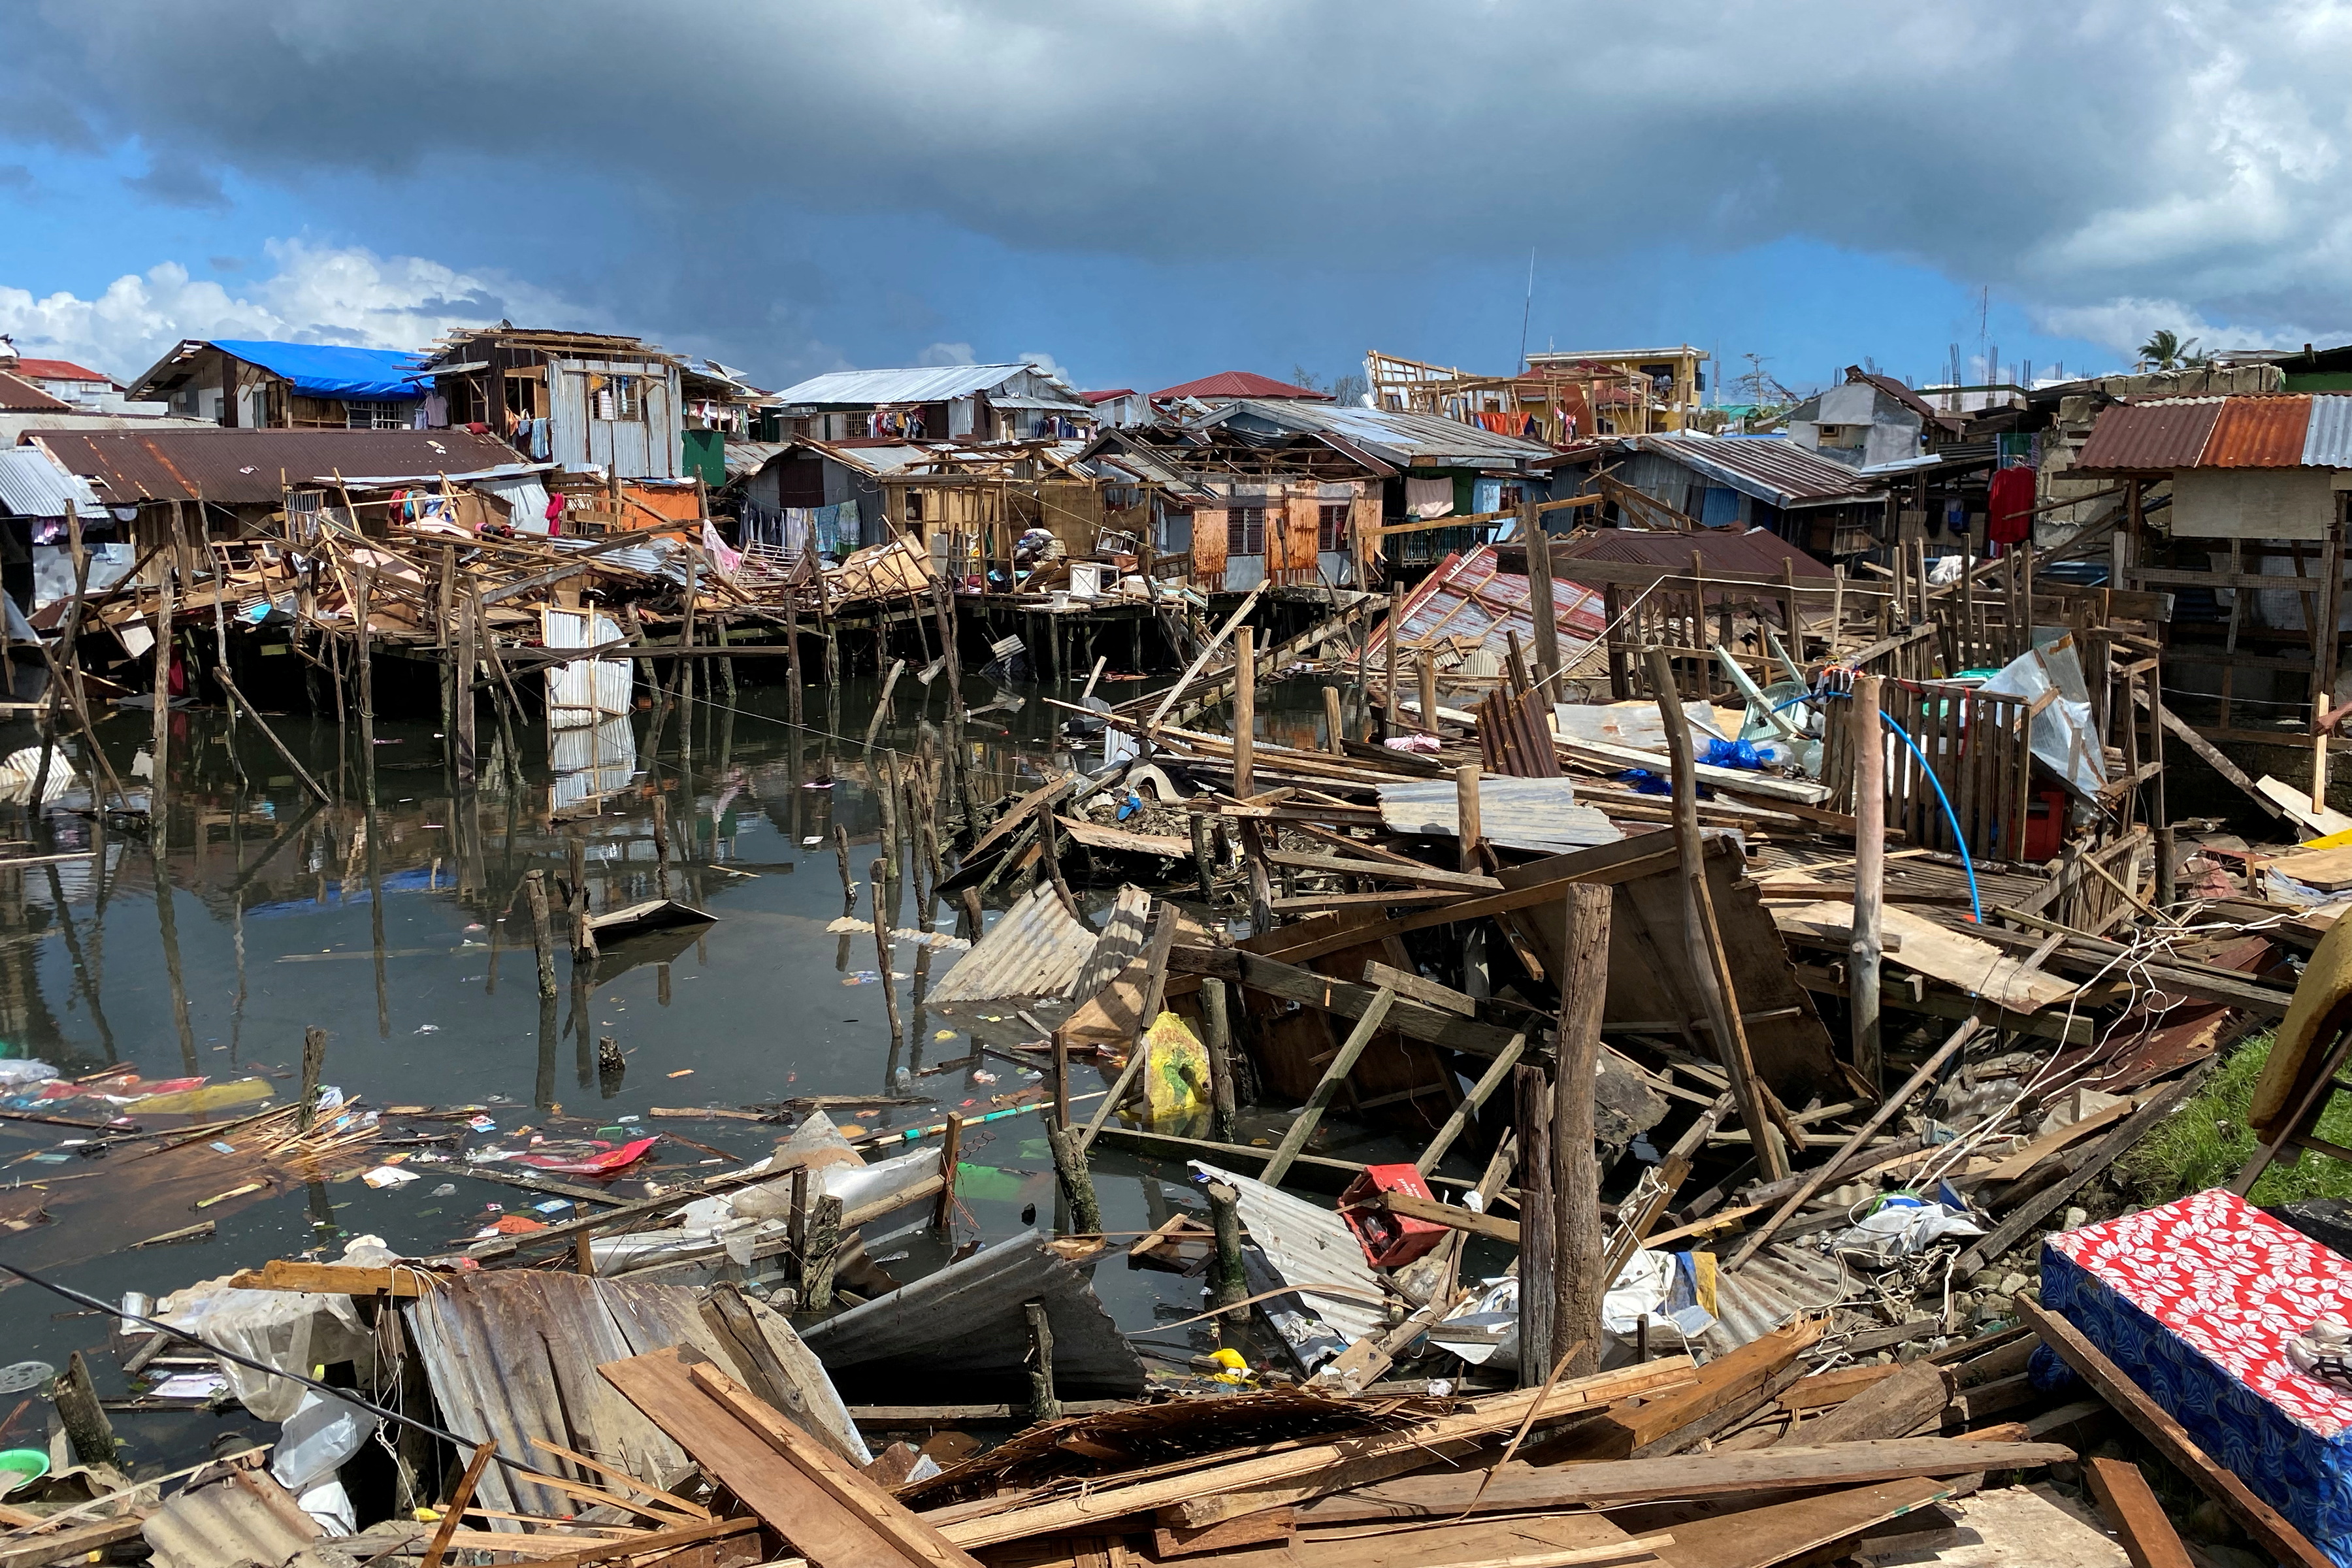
1470,596
244,467
18,395
2137,437
1773,468
2258,433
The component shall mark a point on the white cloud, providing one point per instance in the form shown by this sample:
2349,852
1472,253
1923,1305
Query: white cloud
2124,324
945,354
1050,366
317,294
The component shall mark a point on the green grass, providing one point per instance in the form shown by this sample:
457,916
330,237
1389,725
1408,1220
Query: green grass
2206,1142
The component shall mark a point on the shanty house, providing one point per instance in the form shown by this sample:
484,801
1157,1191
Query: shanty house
959,402
1869,421
36,493
1118,407
223,484
587,401
1737,481
1676,378
2220,491
255,384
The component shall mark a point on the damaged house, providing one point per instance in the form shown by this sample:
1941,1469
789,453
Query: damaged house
961,402
250,384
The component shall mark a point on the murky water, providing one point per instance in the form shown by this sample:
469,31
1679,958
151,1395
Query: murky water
404,935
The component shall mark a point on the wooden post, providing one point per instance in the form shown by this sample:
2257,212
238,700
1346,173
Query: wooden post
1326,1091
882,703
161,747
1222,1098
823,1257
1245,709
1539,601
1204,861
850,884
661,844
882,959
1470,830
1042,1406
1578,1259
83,1418
1869,746
1538,1225
364,581
796,1223
461,689
534,886
314,1061
1396,613
1062,1076
1427,665
1335,729
1705,940
793,654
951,1151
583,936
1228,1279
1078,1183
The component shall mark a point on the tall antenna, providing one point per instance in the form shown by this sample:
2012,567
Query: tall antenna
1526,312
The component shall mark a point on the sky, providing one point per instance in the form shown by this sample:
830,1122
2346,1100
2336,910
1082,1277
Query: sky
1139,195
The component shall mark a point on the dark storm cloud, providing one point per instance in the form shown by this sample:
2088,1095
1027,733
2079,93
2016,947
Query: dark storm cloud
2111,150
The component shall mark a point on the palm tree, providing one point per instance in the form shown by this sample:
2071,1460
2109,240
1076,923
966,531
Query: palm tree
2166,349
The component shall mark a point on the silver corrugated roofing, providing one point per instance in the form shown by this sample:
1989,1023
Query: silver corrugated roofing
929,384
1036,949
1059,404
1538,814
743,457
1775,470
34,484
1390,434
2327,441
964,1325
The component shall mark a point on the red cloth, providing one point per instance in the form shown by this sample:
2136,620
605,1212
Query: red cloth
2010,506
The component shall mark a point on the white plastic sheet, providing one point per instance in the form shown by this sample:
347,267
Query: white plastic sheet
2064,738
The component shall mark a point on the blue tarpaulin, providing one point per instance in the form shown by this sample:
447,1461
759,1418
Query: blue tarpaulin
324,369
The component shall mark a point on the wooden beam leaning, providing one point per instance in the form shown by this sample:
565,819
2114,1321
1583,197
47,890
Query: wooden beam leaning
1303,1126
1331,996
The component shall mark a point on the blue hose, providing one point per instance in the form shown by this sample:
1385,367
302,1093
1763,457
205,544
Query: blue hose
1967,862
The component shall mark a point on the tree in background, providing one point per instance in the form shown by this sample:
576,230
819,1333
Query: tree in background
2167,350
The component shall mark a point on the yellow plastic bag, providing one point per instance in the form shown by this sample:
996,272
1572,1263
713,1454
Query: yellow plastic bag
1175,1070
211,1096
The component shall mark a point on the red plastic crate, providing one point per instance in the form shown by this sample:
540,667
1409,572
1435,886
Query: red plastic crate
1389,1240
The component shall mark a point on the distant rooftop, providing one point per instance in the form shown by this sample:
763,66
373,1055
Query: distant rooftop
1238,383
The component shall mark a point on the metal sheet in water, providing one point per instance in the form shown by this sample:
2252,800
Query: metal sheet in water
1038,949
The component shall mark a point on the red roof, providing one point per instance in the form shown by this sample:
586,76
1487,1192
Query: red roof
2258,433
2144,436
1238,383
20,396
58,370
1107,397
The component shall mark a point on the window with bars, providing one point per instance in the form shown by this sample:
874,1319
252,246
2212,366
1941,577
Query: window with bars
1245,531
1331,532
378,416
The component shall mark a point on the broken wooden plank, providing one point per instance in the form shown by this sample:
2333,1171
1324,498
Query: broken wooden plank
1386,870
1899,1405
1514,1488
1778,1532
2129,1506
830,1513
2270,1529
1407,984
1309,989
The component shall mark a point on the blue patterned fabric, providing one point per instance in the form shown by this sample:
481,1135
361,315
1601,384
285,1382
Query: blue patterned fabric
2305,1475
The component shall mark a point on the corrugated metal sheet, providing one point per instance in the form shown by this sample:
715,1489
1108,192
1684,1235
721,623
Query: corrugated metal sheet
963,1326
1308,1246
1754,550
2258,433
930,383
18,395
1470,596
232,1514
1401,438
32,485
512,1354
744,458
646,447
242,467
1779,472
583,693
1035,948
2327,441
1539,814
2141,436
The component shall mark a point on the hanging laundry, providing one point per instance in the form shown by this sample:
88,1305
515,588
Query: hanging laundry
2009,506
1426,499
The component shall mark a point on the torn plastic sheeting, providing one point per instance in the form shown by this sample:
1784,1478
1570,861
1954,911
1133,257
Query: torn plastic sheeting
1903,1226
2064,738
741,1219
292,1330
597,1164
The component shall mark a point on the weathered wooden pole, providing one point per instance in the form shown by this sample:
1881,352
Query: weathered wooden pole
1224,1099
1334,728
1042,1406
1863,953
542,941
1228,1279
1470,829
1427,666
1578,1246
1067,1146
1393,630
882,957
1244,711
1539,1225
1540,600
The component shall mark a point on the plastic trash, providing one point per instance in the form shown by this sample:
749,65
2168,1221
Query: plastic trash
1175,1070
20,1466
1901,1226
17,1377
313,1442
331,1506
20,1073
1743,755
